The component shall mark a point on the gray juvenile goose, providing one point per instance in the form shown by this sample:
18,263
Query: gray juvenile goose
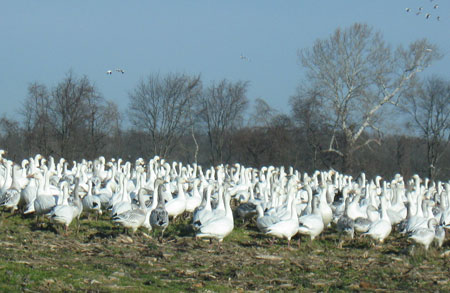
159,217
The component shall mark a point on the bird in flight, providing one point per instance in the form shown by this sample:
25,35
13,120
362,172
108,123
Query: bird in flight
244,58
109,72
120,70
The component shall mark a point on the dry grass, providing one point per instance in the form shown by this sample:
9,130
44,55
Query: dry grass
102,258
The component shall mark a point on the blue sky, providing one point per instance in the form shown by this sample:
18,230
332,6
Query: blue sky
42,40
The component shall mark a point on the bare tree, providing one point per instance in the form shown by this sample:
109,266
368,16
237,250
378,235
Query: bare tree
222,108
11,137
429,106
355,74
70,120
36,121
262,114
72,101
161,106
308,114
102,119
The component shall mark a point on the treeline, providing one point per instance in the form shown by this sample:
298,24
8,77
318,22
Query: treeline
215,125
336,120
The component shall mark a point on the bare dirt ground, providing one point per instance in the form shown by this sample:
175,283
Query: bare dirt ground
35,257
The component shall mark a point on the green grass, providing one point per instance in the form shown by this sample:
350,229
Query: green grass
101,258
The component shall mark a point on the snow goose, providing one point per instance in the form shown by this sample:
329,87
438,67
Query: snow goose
220,226
325,210
28,195
92,203
177,206
312,224
7,178
202,212
345,224
64,213
380,229
45,201
264,221
286,228
425,236
362,225
159,217
194,200
11,197
133,218
121,202
248,209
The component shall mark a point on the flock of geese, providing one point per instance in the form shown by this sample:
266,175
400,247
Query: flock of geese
282,202
421,11
109,72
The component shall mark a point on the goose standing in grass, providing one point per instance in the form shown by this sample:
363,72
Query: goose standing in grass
312,224
380,229
345,225
219,226
11,197
362,225
64,213
286,228
193,201
133,218
28,195
425,236
92,203
177,206
248,209
202,212
121,201
159,217
45,201
263,222
325,209
7,178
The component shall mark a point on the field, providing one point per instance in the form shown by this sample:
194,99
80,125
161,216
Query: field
35,258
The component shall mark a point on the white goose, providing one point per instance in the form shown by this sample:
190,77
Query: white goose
45,200
312,224
425,236
28,195
264,221
380,229
285,228
11,197
194,201
65,213
220,226
177,206
133,218
201,214
92,203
